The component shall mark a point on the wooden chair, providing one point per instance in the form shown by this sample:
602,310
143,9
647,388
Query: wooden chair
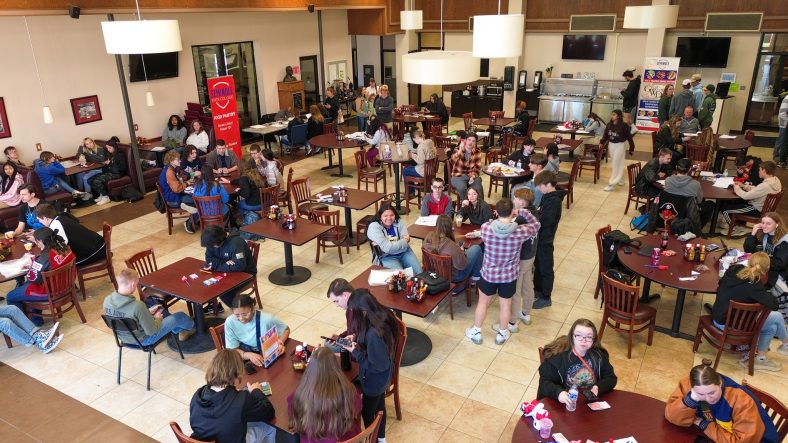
654,148
467,119
128,326
601,254
363,222
268,197
769,205
622,308
569,185
541,354
172,213
409,108
393,389
329,128
632,174
183,438
301,191
495,114
336,237
441,264
449,188
367,174
743,324
696,152
217,334
104,266
368,435
398,130
254,247
144,262
420,184
591,160
531,127
433,125
284,197
60,293
775,409
209,208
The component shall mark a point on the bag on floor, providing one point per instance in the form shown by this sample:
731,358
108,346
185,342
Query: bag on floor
610,244
158,204
639,223
131,194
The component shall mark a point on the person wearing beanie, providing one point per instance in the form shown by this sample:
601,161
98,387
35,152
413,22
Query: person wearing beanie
707,106
682,99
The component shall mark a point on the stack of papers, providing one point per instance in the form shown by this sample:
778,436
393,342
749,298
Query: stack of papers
324,198
158,149
429,220
706,174
727,136
69,163
380,277
723,182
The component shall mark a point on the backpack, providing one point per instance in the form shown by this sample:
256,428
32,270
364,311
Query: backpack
250,217
610,244
158,204
639,223
131,194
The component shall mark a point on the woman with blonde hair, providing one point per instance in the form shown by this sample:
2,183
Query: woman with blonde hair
314,127
745,284
249,184
325,407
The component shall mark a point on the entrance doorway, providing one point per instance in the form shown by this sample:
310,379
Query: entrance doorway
769,82
309,76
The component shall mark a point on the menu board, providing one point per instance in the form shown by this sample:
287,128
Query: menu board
658,72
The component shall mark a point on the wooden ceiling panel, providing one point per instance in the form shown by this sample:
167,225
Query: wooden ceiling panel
101,6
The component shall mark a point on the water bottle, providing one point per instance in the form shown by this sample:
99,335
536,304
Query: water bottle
725,173
519,164
572,399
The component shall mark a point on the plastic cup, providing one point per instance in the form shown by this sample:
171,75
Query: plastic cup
545,428
9,235
28,247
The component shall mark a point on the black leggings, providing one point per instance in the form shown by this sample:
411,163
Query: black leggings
370,405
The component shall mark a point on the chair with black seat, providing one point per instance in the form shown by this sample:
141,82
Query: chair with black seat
336,237
60,292
623,309
420,184
367,174
183,438
591,160
296,138
103,266
743,324
633,170
368,435
301,191
144,262
128,326
217,335
599,236
393,389
569,185
172,213
769,205
775,409
209,208
441,265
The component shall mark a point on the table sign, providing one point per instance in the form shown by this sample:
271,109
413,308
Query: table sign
269,343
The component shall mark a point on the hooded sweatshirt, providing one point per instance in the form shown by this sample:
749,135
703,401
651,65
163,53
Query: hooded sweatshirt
561,371
126,306
778,252
503,242
733,288
756,195
684,185
222,415
680,101
549,216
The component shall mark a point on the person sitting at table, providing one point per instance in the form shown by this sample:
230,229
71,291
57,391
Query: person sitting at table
9,186
314,127
424,150
226,253
376,132
435,106
747,170
390,241
523,299
87,245
12,155
198,137
553,161
325,407
721,408
173,187
88,152
682,184
225,410
466,161
669,136
27,210
249,185
243,329
436,202
688,123
222,160
191,162
374,336
536,164
753,197
464,264
770,236
55,253
114,168
174,134
595,126
576,359
19,328
522,118
153,319
521,156
284,114
407,139
206,185
658,168
50,171
271,173
475,209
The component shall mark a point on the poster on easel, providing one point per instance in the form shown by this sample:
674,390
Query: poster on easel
270,346
224,111
658,72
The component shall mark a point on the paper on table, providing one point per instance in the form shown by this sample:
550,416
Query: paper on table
563,146
257,126
428,220
380,277
561,128
727,136
68,163
483,134
13,268
158,149
723,182
706,174
625,440
583,131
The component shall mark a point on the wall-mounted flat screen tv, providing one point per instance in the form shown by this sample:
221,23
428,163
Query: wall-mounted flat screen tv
703,52
583,47
157,66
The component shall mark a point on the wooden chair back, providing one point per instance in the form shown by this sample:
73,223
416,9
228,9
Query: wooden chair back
743,320
531,127
467,119
632,174
59,283
442,143
172,213
775,409
360,158
329,128
144,262
771,202
440,264
268,197
696,152
210,210
328,218
368,435
409,108
183,438
393,389
654,148
621,299
495,114
433,125
600,252
430,169
286,199
217,334
104,266
300,190
541,354
280,166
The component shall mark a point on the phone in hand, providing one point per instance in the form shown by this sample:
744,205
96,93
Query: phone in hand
341,341
590,396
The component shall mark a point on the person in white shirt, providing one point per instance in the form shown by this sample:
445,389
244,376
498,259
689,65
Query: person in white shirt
198,137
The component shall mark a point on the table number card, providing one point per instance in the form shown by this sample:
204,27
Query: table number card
270,346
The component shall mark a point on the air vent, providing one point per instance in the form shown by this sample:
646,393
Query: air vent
592,23
734,21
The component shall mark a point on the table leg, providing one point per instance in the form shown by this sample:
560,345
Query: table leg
397,202
341,170
417,347
331,164
289,275
351,236
505,193
645,297
201,341
715,214
674,330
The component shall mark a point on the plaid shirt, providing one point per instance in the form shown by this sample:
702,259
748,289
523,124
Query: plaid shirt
464,167
502,254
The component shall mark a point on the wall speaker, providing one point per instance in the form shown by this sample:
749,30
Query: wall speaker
73,11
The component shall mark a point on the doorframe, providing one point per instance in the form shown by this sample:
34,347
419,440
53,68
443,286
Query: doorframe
783,62
318,80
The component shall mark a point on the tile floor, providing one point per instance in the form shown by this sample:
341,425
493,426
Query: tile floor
461,392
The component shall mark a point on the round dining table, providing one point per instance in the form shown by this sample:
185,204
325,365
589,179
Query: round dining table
719,195
630,415
505,178
726,146
330,142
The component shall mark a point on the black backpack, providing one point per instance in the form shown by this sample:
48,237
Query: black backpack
131,194
610,244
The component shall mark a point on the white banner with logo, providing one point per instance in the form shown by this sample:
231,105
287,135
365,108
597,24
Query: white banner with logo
658,72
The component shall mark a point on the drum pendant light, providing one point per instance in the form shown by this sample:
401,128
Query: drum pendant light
651,17
498,36
141,36
410,19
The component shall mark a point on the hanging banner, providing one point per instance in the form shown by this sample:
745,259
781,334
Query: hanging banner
658,72
224,110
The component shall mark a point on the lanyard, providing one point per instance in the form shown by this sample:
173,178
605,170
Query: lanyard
582,360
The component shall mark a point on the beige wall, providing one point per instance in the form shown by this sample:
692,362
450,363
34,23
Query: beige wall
74,63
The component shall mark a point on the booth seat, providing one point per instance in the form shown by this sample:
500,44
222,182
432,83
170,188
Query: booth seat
9,217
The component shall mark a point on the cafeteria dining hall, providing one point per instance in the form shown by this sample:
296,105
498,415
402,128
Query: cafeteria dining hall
336,221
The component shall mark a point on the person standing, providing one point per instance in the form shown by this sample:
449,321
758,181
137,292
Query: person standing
339,293
523,300
549,216
616,133
663,113
630,94
332,104
781,144
366,108
696,87
384,105
707,107
682,99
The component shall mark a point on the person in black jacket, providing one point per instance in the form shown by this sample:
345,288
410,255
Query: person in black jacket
745,284
114,168
669,136
522,156
314,127
249,185
770,236
374,337
577,359
616,133
435,106
87,246
549,216
226,253
225,411
630,94
658,168
331,103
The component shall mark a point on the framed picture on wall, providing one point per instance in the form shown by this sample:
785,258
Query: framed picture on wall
86,109
5,129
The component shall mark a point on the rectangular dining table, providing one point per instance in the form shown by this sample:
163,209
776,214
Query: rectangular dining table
356,199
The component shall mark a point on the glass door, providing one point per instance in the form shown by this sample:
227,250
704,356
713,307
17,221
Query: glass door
311,80
236,59
770,82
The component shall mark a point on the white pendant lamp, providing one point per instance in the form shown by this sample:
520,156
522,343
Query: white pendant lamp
149,99
46,112
410,19
141,36
498,36
48,115
651,17
440,67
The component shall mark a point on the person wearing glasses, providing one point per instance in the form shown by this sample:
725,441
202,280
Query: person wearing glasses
577,359
244,328
436,203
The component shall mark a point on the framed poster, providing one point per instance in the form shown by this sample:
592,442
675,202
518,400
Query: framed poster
86,109
5,129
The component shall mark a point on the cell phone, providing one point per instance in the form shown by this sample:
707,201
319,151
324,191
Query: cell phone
206,270
590,397
250,368
339,340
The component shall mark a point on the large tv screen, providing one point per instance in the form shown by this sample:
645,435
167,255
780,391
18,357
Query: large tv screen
583,47
164,65
703,52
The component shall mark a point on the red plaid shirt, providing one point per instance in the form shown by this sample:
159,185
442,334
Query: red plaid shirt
461,166
502,254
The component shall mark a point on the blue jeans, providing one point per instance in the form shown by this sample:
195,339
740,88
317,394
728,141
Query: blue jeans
17,298
260,432
474,267
406,260
773,327
245,207
61,185
780,148
410,171
14,324
82,179
361,121
176,323
187,200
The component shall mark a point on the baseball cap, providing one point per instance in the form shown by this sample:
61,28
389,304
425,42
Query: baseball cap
695,77
686,82
709,88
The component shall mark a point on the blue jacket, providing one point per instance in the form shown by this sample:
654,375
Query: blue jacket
202,190
169,194
48,173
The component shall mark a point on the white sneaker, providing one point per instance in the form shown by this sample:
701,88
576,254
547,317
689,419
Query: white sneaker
43,337
513,328
763,364
609,188
525,318
474,334
87,196
104,200
46,349
621,183
502,336
783,349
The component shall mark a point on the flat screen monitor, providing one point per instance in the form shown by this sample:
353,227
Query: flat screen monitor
157,66
703,52
583,47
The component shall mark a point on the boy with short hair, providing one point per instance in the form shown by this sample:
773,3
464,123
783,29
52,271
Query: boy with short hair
436,202
549,215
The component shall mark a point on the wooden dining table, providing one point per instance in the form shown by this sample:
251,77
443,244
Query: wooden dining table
357,199
330,142
711,192
18,251
567,146
499,122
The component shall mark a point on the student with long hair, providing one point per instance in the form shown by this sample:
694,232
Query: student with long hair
390,241
441,241
663,112
249,187
175,131
114,168
722,409
325,408
475,209
616,133
198,137
206,185
88,152
576,359
376,132
374,338
9,186
423,150
771,236
191,163
173,189
314,127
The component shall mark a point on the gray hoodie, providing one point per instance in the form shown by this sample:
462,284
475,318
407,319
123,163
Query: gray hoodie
126,306
684,185
756,195
501,229
553,165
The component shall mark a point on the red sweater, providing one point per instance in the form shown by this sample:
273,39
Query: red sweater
47,261
439,207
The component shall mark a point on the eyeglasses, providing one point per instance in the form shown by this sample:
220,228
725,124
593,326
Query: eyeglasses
437,187
579,337
245,315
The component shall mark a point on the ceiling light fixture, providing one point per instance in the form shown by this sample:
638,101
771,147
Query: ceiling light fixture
46,112
498,36
410,19
651,17
142,36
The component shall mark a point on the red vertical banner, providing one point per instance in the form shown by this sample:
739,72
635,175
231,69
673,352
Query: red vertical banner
224,109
